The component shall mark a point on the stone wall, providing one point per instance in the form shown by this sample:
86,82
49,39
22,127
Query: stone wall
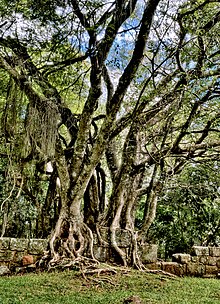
103,252
20,252
202,262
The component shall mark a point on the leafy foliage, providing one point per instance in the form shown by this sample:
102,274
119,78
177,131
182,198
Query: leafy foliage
188,211
120,100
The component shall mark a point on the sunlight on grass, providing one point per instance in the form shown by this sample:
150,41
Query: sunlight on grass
69,287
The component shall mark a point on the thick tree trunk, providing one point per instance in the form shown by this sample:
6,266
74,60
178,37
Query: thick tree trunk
124,198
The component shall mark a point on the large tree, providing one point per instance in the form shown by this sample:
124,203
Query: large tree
126,89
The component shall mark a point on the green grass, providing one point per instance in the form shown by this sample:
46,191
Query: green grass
69,287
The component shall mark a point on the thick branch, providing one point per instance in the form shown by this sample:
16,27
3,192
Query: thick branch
192,114
137,56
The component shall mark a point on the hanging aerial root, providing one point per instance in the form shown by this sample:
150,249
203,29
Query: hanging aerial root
114,244
41,128
135,252
100,239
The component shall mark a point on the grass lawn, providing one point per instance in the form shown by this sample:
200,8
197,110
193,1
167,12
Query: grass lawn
69,287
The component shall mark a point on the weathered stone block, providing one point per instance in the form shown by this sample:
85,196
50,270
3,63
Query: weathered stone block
169,267
213,270
27,260
18,255
123,238
153,266
218,263
7,255
4,270
37,246
19,244
214,251
25,269
208,260
149,253
200,250
195,269
181,258
101,253
4,243
174,268
195,259
212,261
5,263
204,259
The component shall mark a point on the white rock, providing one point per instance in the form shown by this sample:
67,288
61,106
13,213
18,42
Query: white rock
4,270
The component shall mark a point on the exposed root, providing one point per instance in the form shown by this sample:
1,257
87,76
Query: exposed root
116,247
100,271
95,274
135,258
80,239
100,281
91,242
55,235
70,246
101,241
158,271
135,254
80,263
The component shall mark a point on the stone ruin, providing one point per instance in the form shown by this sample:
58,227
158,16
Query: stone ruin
103,251
21,255
17,254
202,262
